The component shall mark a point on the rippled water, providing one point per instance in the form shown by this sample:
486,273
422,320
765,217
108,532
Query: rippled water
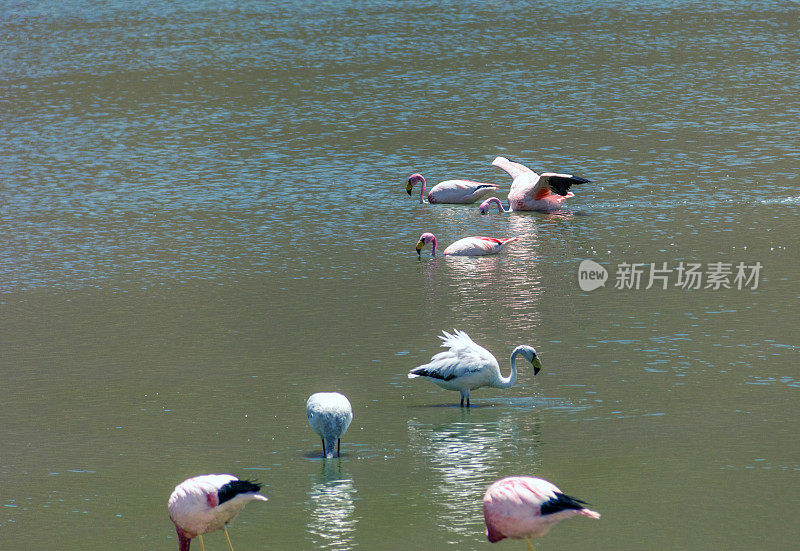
205,221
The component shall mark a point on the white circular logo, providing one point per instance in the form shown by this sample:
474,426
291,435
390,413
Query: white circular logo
591,275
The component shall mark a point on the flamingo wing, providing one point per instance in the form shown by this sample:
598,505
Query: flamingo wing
560,183
477,246
459,191
513,169
462,357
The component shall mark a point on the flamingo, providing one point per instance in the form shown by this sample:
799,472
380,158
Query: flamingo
520,507
329,414
207,503
531,191
468,246
467,366
450,191
487,205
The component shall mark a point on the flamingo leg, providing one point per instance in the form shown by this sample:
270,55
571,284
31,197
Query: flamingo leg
323,446
227,537
202,546
530,545
339,447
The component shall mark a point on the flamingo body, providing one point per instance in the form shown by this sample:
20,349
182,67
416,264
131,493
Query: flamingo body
468,246
520,507
466,366
207,503
329,414
532,191
451,191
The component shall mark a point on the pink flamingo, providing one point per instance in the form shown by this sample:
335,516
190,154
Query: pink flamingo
207,503
468,246
450,191
524,507
487,205
531,191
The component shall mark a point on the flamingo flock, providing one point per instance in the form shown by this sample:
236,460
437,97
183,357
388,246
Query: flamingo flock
515,507
545,192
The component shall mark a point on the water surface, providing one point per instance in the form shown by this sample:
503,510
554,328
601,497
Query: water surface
205,222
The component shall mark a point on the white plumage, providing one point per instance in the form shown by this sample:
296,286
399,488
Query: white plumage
468,246
329,414
451,191
466,366
207,503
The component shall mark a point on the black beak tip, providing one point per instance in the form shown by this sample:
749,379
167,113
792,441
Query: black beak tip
408,191
536,371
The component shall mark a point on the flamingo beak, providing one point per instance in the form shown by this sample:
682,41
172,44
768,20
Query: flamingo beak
420,244
409,187
537,365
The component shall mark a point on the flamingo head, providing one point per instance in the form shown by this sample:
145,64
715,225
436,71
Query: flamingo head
529,353
415,178
424,239
484,208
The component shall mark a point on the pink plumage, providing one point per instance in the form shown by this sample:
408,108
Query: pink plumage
532,191
206,503
468,246
524,507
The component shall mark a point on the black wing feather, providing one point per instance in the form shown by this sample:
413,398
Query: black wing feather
560,503
236,487
432,373
561,184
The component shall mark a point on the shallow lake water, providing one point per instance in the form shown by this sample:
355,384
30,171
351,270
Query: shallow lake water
205,221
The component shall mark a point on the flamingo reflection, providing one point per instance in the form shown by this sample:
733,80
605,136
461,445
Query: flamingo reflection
331,509
462,458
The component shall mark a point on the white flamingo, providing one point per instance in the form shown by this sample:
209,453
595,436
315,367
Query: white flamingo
466,366
531,191
450,191
468,246
208,503
329,414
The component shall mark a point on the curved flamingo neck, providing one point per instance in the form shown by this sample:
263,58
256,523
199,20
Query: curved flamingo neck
184,540
422,193
496,201
506,382
433,244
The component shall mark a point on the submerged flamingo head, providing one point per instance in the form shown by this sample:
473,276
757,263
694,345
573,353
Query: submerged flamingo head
484,208
486,205
424,239
414,179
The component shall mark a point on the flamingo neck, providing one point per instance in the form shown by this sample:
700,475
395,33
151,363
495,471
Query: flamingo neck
184,540
422,189
433,245
496,201
506,382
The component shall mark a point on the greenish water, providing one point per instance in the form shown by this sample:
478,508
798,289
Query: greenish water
205,222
